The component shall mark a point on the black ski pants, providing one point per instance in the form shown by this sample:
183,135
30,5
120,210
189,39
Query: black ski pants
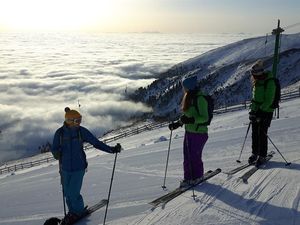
259,135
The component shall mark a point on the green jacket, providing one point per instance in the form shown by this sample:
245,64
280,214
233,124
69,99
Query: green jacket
200,117
263,95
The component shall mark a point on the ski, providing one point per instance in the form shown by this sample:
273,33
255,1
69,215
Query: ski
237,169
178,191
250,172
88,211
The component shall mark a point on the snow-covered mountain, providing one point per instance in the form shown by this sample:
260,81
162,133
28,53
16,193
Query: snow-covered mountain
224,73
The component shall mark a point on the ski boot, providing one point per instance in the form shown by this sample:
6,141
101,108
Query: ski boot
261,161
252,159
70,218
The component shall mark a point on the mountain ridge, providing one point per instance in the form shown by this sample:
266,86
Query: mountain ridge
222,72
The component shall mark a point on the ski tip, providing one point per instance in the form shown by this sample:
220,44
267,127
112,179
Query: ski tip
238,161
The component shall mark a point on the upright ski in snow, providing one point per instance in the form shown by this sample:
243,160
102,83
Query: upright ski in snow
89,211
178,191
250,172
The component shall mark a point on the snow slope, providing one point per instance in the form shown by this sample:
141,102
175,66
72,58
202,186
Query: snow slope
271,197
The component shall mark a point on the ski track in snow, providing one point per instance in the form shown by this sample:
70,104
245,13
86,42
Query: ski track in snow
252,207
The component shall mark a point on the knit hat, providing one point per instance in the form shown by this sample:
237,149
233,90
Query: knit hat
72,117
189,82
258,68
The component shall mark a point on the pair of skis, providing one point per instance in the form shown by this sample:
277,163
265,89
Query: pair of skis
178,191
251,171
161,200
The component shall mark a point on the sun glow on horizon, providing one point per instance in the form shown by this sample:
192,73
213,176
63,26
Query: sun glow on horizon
176,16
55,14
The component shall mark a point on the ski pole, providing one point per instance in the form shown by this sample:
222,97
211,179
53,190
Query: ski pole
164,185
62,185
286,163
110,186
239,160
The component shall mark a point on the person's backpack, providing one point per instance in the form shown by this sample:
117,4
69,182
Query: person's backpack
210,107
277,97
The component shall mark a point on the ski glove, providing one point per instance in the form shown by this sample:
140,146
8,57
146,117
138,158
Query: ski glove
257,117
187,120
252,116
116,149
261,116
174,126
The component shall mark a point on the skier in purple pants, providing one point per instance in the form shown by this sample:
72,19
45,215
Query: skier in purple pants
195,117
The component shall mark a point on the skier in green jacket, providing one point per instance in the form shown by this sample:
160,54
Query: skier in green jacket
261,114
194,118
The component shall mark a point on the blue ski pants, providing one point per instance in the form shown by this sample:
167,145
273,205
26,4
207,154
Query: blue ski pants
72,183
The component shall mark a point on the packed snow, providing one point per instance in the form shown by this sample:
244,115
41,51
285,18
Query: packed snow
271,197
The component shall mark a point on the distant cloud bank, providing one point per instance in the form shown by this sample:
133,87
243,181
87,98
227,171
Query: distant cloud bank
41,74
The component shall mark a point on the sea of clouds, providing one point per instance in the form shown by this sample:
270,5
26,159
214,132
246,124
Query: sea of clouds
41,74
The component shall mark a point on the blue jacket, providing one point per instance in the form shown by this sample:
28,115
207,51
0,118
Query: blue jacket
68,143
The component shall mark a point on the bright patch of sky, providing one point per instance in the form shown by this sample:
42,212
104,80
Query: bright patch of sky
205,16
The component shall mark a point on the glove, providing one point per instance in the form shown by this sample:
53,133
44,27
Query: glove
116,149
174,126
187,120
252,116
260,116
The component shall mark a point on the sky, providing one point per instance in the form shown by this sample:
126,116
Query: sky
203,16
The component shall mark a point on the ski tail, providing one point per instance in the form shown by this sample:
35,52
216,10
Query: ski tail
238,169
178,191
250,172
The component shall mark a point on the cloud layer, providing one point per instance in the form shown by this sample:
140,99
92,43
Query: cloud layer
41,74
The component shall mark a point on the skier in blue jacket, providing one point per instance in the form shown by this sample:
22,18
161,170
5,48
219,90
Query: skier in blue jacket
68,149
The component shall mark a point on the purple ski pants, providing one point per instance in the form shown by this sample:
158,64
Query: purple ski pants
192,153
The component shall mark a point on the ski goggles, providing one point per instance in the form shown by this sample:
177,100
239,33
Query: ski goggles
73,120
